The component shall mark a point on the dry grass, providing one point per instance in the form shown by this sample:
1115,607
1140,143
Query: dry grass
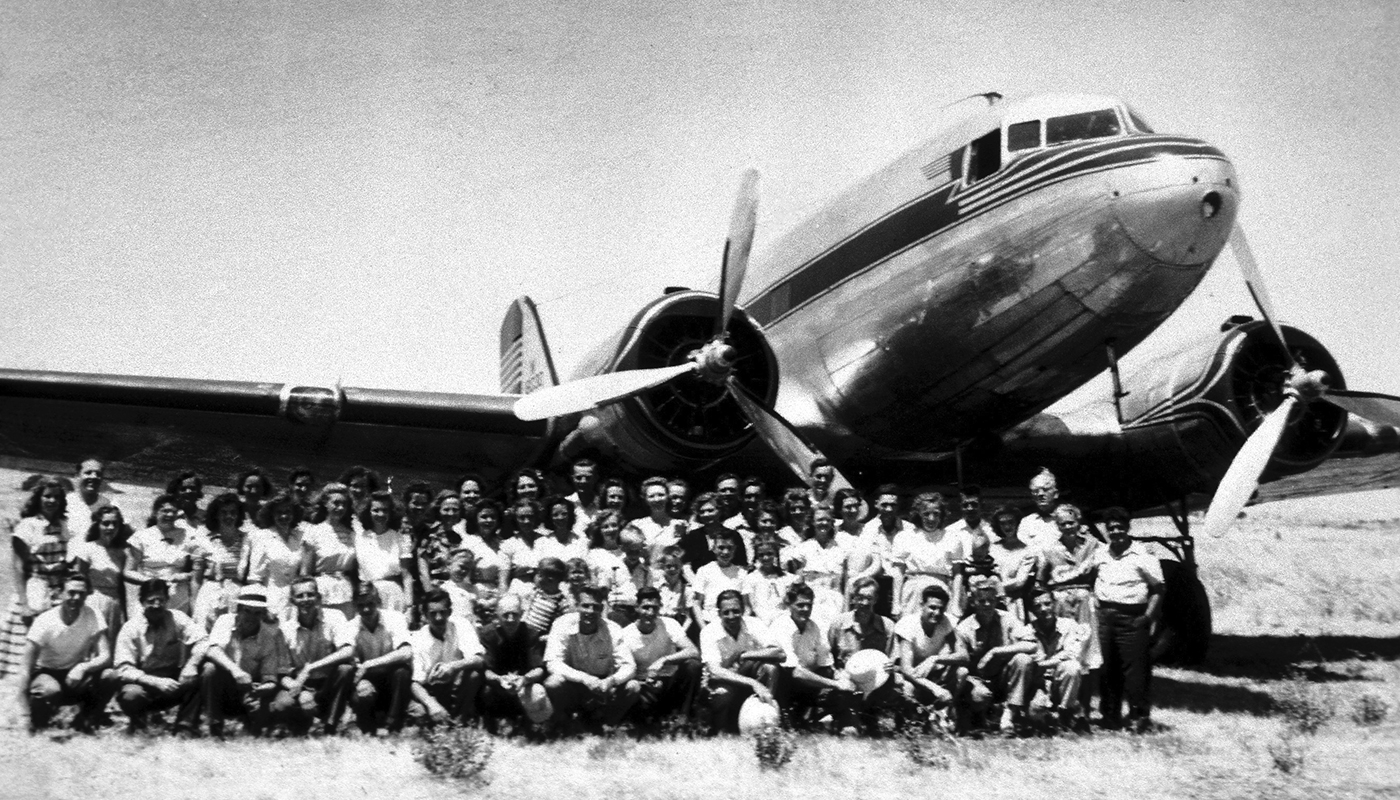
1304,593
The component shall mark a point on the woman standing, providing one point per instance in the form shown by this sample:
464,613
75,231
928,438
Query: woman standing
39,546
522,531
471,488
328,548
492,561
561,543
224,549
823,566
167,550
102,556
188,489
275,552
925,556
253,487
381,554
435,545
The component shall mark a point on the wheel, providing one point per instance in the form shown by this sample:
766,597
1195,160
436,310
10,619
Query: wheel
1184,635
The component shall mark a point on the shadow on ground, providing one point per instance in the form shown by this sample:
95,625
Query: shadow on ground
1278,657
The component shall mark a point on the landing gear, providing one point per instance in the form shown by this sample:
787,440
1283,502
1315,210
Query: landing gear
1183,637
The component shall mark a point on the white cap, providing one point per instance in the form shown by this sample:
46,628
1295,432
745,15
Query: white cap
868,670
756,714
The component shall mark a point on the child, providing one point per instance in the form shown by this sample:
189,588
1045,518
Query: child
676,600
765,588
546,601
717,576
460,568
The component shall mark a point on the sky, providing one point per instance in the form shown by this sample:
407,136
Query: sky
354,191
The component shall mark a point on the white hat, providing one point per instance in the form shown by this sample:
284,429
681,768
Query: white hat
537,705
756,714
252,597
868,670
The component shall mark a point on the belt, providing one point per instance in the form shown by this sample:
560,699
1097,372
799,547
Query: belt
1136,609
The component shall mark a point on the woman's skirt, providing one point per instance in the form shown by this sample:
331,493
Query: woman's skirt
215,599
15,631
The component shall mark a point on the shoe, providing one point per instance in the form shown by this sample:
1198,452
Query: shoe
1008,722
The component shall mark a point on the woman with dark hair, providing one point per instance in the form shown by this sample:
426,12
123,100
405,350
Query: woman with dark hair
698,544
492,571
224,551
604,558
167,550
471,488
926,556
328,548
188,489
526,483
612,494
797,504
1015,563
850,510
521,532
561,543
254,487
102,556
823,566
363,483
275,552
434,546
382,554
40,560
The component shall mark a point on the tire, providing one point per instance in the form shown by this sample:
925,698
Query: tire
1184,635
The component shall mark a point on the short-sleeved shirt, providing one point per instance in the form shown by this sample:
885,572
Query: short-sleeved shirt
378,556
666,638
391,634
1127,578
1056,561
263,655
848,637
64,646
1066,637
599,654
712,579
1037,531
459,641
805,648
980,638
919,555
309,645
508,653
719,649
910,628
151,649
767,593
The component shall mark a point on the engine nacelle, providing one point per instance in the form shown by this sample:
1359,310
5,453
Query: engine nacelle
685,422
1190,413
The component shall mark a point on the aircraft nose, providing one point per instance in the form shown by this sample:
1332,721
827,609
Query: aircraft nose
1178,210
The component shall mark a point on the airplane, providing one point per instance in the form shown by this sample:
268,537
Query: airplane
915,329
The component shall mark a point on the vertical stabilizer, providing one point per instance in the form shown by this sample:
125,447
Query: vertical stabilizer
525,361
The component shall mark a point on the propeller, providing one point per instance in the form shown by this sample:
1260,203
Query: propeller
713,361
1300,387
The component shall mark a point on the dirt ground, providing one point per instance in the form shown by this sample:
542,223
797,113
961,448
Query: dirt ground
1306,599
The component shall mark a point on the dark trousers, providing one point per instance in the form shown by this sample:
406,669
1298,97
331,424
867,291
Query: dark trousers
1124,635
726,699
136,700
49,689
385,689
261,708
457,694
806,702
324,697
671,694
569,698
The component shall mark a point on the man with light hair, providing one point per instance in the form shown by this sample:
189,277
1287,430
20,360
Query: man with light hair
321,664
514,667
1038,529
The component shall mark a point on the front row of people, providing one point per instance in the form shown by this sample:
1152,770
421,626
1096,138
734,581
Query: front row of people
927,669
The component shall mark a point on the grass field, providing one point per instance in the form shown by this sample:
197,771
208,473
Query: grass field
1306,596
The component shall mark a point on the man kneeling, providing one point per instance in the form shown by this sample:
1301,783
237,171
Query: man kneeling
248,669
668,663
739,661
588,663
65,655
999,659
448,660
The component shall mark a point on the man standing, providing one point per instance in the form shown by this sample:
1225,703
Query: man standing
820,475
873,554
383,676
588,663
584,477
91,472
248,667
668,664
971,527
999,658
1039,529
739,661
932,658
727,486
157,657
448,660
514,664
65,654
809,684
314,637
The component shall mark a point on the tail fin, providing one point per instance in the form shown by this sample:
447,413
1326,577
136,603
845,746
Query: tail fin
525,361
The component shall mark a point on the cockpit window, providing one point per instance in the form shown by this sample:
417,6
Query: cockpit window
1023,135
1139,122
1088,125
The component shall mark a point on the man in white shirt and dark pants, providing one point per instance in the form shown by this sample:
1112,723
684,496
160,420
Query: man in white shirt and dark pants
668,663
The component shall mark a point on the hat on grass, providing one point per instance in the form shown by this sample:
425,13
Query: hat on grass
536,703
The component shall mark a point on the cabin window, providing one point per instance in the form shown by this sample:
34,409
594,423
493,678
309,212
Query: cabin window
984,156
1023,136
1088,125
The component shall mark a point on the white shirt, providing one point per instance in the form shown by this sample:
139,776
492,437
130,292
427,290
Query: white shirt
1037,532
806,648
719,649
391,634
459,641
1125,579
647,648
711,580
63,646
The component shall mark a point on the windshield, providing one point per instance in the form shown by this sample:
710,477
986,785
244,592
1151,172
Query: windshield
1088,125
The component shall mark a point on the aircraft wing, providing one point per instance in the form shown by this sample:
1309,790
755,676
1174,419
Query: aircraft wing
152,426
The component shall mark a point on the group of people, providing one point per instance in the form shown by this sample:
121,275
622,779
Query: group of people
544,612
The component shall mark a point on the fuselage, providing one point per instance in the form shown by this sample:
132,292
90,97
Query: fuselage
979,277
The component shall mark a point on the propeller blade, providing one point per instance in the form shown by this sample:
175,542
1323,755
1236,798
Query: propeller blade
1254,280
737,247
598,390
1384,408
780,436
1242,478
